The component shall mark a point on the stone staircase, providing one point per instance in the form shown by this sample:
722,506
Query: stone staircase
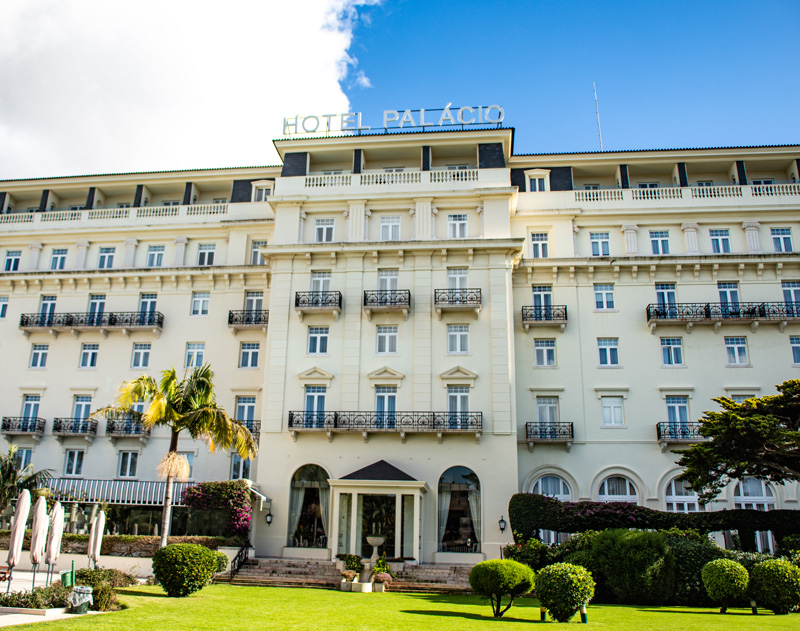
288,573
432,579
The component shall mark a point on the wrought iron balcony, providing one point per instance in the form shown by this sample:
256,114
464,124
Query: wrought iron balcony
549,315
401,423
678,433
106,321
23,426
254,427
717,313
84,427
387,300
318,302
536,432
126,428
457,300
248,319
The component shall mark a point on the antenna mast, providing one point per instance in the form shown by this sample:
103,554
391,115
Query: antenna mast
597,111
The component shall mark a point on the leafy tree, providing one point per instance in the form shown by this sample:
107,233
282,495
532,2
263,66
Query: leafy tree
497,578
759,438
15,479
182,405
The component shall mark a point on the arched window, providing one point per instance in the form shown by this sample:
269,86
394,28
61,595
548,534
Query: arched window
309,507
459,511
617,488
556,487
681,498
755,495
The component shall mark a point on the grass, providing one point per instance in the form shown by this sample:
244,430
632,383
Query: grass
225,607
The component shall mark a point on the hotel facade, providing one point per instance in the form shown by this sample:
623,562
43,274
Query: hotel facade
415,326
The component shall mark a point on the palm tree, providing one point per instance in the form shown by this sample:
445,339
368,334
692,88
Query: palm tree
15,479
190,405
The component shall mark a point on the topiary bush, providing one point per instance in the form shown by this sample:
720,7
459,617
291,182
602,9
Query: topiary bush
222,561
725,582
692,554
183,568
563,588
498,578
776,585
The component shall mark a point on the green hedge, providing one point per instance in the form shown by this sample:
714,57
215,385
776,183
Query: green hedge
183,568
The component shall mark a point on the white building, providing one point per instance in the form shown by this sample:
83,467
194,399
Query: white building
415,325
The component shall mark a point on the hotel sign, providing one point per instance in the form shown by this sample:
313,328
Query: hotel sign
447,116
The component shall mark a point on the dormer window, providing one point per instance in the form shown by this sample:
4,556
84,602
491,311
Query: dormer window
538,180
262,190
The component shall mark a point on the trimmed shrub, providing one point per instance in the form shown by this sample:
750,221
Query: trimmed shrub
725,581
691,555
103,597
50,597
382,577
776,585
532,553
563,588
183,568
115,578
222,561
349,575
498,578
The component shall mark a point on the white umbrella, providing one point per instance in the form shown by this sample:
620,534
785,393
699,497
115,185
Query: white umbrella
54,538
39,534
18,533
96,537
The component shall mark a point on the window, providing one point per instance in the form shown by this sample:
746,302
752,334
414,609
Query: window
200,300
457,406
23,457
58,259
89,355
544,353
205,254
736,348
791,295
617,488
539,248
323,230
756,495
73,464
705,183
106,258
459,511
795,343
189,455
537,184
457,338
599,242
681,498
30,405
123,205
97,305
219,200
604,297
666,298
390,228
763,182
672,351
782,239
171,202
147,308
678,415
39,355
542,296
245,408
261,193
248,357
557,488
457,278
195,352
82,406
141,356
317,340
659,241
47,308
741,398
3,306
127,464
720,241
611,408
457,226
547,410
254,301
315,406
648,184
320,281
309,497
12,260
240,468
386,406
155,255
255,255
387,340
608,349
387,279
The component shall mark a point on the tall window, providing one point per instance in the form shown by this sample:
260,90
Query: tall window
47,309
3,306
390,228
254,301
795,343
791,295
544,353
155,256
458,338
315,406
608,351
617,488
459,511
12,260
73,463
667,299
240,468
547,410
309,508
82,406
261,193
599,241
542,296
782,239
457,278
659,241
248,356
681,498
557,488
678,415
720,241
205,254
317,340
195,352
539,249
23,457
457,405
729,299
387,279
756,495
386,406
106,258
200,300
58,259
611,409
245,408
189,455
457,226
320,281
604,297
141,356
736,350
387,340
89,355
255,255
127,464
537,184
97,306
323,230
672,351
147,308
39,355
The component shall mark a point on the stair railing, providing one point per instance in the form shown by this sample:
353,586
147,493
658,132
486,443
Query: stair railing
239,559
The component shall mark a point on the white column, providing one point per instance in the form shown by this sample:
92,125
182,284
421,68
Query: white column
36,250
180,250
575,231
415,546
367,215
630,230
302,227
690,234
434,213
130,252
480,218
751,232
355,528
333,525
398,525
412,212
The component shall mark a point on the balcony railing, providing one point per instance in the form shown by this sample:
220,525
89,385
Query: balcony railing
387,300
248,318
457,300
74,427
716,313
254,427
23,426
90,321
403,178
318,302
678,433
536,432
549,315
387,422
125,428
119,492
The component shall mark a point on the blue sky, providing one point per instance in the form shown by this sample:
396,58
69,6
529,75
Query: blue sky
668,74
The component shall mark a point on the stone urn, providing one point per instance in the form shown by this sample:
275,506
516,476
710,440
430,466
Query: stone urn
375,541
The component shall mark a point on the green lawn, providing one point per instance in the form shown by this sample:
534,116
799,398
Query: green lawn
224,607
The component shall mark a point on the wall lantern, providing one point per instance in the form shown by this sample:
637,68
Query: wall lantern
501,523
269,518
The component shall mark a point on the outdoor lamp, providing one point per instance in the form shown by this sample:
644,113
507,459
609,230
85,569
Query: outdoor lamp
269,518
502,524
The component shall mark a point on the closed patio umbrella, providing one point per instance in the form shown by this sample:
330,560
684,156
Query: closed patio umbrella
38,534
54,538
96,537
18,533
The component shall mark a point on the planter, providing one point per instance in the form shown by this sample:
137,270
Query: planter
364,588
375,541
378,587
345,586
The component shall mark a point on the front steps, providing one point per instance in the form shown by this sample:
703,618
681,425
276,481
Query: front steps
432,579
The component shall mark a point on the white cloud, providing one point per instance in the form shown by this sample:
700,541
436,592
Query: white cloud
93,86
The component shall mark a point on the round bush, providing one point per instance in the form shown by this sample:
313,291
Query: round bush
183,568
222,561
725,581
563,588
498,578
776,585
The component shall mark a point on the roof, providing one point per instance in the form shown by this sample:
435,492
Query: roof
613,151
380,470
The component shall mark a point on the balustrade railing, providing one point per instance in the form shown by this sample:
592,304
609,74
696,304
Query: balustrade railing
677,431
22,425
253,426
318,299
248,317
555,313
387,421
113,319
388,298
74,427
719,311
457,297
122,427
549,431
